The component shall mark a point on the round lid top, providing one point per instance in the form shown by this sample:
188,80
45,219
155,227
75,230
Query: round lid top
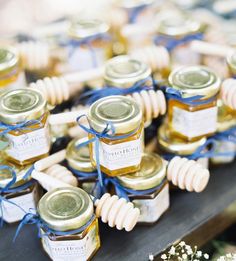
226,117
172,144
9,59
21,105
82,28
124,71
122,112
195,80
79,159
176,24
64,209
133,3
150,175
231,61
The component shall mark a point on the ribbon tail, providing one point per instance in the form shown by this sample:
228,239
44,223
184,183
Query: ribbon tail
97,156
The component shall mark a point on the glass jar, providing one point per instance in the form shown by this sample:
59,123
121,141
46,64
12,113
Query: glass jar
197,118
24,193
78,160
121,153
11,73
171,145
24,115
67,210
226,122
150,178
176,31
231,62
89,44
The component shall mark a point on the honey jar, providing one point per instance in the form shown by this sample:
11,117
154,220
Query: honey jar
21,196
78,160
24,123
117,120
11,73
170,145
148,188
176,31
192,111
124,72
226,130
231,62
70,230
89,44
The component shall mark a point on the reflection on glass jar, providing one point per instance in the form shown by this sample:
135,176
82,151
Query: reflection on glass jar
69,210
121,152
231,62
24,122
11,73
195,117
148,188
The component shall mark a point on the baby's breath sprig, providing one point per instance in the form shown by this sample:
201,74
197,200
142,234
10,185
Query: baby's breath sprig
184,252
228,257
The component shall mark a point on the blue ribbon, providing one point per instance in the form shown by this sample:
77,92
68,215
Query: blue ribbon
84,175
134,12
34,219
171,43
95,95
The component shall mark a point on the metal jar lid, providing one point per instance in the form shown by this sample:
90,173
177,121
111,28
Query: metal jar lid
64,209
176,24
82,28
122,112
150,175
124,71
172,144
226,117
195,80
21,105
9,60
79,159
129,4
231,61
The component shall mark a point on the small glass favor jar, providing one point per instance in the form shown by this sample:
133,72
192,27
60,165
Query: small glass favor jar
171,145
151,181
124,72
120,153
231,62
176,32
11,73
78,160
24,118
195,117
20,197
89,44
69,210
226,123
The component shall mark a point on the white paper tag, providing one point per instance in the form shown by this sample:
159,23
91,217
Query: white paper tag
152,209
194,124
12,213
120,155
29,145
72,250
222,147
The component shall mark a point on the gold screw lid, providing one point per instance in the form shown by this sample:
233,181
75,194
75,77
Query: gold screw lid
79,159
226,117
231,61
9,59
64,209
123,112
151,173
177,24
124,71
82,28
172,144
133,3
195,80
21,105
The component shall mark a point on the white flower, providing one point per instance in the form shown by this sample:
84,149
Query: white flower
184,256
199,253
206,256
188,247
164,256
189,251
182,243
151,257
172,250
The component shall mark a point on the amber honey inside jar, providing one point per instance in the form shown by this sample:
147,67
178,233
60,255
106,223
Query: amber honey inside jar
90,44
24,115
121,153
11,74
151,178
197,118
69,210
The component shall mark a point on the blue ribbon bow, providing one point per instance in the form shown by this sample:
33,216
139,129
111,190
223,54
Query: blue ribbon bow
84,175
171,43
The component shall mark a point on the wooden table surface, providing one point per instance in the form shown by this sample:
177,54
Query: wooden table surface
195,217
